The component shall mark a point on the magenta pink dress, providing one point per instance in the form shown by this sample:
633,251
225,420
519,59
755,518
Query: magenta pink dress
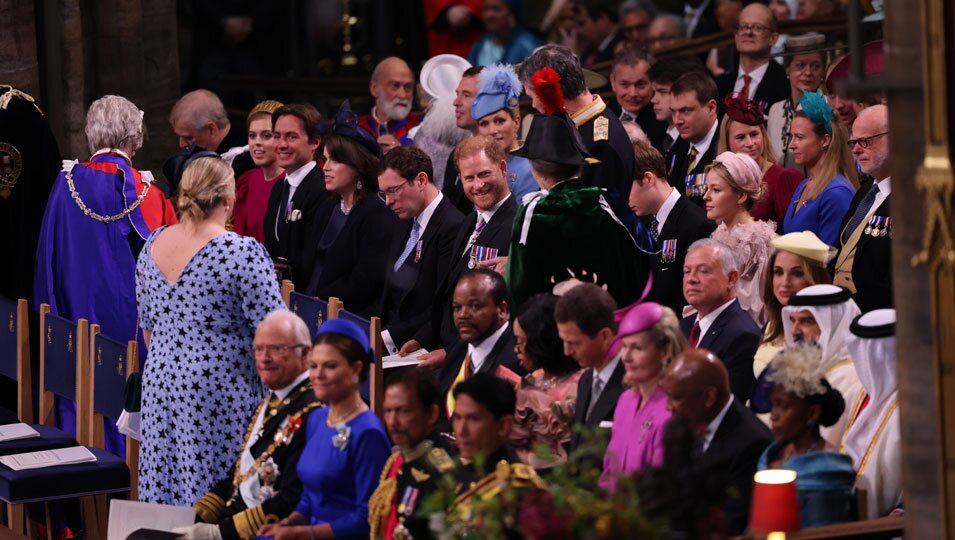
636,439
252,193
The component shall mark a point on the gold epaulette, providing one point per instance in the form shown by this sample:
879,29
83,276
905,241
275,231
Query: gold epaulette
209,508
379,505
440,460
248,522
509,475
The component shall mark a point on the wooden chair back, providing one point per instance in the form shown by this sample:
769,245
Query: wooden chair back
64,361
111,364
15,353
373,389
287,288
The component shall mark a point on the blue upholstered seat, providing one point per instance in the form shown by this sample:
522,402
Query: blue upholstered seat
108,474
50,438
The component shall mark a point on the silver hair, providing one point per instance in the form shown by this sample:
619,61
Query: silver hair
114,122
299,328
198,108
676,20
630,6
725,253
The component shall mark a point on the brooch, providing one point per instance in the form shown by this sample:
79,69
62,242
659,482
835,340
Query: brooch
268,476
341,437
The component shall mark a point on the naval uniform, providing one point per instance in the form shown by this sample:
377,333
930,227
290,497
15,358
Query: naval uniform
263,486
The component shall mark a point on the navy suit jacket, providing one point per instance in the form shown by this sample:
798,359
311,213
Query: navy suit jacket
408,299
496,235
288,240
353,267
734,338
614,150
732,457
606,403
647,120
686,224
678,159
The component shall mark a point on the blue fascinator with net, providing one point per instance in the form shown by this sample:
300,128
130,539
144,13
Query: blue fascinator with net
816,107
346,125
498,88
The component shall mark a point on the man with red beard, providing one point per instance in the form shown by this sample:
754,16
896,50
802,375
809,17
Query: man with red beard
390,120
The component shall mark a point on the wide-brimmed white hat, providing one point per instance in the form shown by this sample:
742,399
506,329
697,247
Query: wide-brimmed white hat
440,75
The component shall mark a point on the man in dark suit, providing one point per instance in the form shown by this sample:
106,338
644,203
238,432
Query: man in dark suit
599,27
235,507
864,263
633,92
720,325
663,73
293,205
586,325
486,342
693,106
697,387
423,253
673,222
463,97
758,78
482,239
600,129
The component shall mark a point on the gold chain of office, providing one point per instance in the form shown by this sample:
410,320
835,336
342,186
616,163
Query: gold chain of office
98,217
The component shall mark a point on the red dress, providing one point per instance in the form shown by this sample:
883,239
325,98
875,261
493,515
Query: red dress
781,184
252,193
441,39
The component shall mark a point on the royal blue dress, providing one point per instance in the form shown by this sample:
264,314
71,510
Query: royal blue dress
200,385
824,484
822,215
338,479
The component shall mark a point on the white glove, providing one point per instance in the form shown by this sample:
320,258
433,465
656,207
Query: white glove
200,531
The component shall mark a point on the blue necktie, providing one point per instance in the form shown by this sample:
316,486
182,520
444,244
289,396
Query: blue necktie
412,242
655,231
861,212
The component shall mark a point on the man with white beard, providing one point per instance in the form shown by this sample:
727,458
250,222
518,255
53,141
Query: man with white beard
390,120
821,314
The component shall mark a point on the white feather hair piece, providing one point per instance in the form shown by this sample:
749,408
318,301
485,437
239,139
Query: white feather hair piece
799,369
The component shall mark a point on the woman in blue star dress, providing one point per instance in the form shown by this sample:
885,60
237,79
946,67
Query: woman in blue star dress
201,292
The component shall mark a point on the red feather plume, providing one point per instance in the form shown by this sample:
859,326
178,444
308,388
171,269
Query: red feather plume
546,83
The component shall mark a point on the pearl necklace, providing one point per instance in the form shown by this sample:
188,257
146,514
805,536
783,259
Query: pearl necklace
341,205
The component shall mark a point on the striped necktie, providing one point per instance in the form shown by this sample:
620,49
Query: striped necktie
692,165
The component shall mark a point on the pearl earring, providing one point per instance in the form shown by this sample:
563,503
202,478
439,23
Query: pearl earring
354,379
359,186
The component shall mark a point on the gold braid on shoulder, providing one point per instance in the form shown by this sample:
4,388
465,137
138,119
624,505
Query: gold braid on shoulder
379,505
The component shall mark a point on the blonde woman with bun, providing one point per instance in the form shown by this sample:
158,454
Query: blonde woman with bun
201,293
733,185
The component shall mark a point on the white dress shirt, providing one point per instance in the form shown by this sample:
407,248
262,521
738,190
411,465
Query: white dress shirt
479,353
664,212
249,489
707,322
704,144
755,77
296,177
715,424
885,189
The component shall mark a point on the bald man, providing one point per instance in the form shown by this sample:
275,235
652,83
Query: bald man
864,263
757,77
732,438
390,120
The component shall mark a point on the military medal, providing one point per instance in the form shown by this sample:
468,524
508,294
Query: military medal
695,185
885,229
341,437
668,253
875,228
480,254
417,253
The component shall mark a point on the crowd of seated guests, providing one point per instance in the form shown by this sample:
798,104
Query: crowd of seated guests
508,270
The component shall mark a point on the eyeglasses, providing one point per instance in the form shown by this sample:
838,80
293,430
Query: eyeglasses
865,142
392,191
274,350
754,28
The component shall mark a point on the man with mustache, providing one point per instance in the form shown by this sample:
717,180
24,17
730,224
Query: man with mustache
822,314
412,407
390,120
